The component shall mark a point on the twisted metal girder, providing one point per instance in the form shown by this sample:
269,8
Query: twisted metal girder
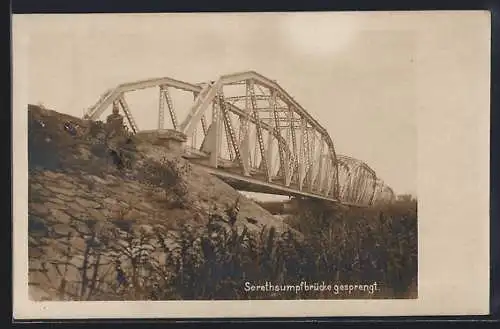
243,119
384,193
358,181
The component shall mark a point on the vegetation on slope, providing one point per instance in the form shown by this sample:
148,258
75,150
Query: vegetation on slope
120,258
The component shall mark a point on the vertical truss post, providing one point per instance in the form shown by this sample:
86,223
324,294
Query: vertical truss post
325,183
204,125
244,136
228,141
256,150
336,175
220,131
372,198
321,173
331,169
161,110
311,146
294,165
361,186
243,133
307,148
194,138
215,147
352,190
367,195
264,161
170,106
366,189
355,185
269,155
302,152
347,186
128,114
362,189
289,159
283,169
230,134
226,128
317,163
333,179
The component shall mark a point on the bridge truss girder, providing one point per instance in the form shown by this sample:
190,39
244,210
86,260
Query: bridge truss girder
251,127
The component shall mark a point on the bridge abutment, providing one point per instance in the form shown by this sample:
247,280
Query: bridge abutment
172,140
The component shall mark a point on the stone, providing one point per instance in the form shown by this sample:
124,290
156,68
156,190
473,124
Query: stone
96,214
52,175
95,195
60,216
36,186
44,192
110,178
143,214
87,203
132,215
75,207
172,134
35,253
145,206
63,229
78,243
110,202
56,205
38,209
123,204
147,228
36,293
97,179
81,228
65,184
134,186
107,213
174,145
58,201
60,190
65,198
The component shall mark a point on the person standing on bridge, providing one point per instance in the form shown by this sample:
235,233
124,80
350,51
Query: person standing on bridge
114,122
115,119
115,133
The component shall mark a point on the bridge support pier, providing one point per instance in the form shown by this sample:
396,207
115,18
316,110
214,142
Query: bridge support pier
171,139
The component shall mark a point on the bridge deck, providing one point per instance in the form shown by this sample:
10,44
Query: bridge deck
250,184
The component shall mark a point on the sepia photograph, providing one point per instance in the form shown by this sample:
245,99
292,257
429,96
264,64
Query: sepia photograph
221,157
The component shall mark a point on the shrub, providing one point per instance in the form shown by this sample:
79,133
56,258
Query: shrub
170,176
214,261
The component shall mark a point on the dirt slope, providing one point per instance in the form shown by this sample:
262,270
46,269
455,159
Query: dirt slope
75,179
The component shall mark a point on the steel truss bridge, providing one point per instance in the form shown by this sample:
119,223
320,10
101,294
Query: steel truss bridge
247,130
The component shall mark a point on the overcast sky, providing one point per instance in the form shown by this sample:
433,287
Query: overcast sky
354,72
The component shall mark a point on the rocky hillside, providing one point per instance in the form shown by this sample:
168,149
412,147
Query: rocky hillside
92,193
